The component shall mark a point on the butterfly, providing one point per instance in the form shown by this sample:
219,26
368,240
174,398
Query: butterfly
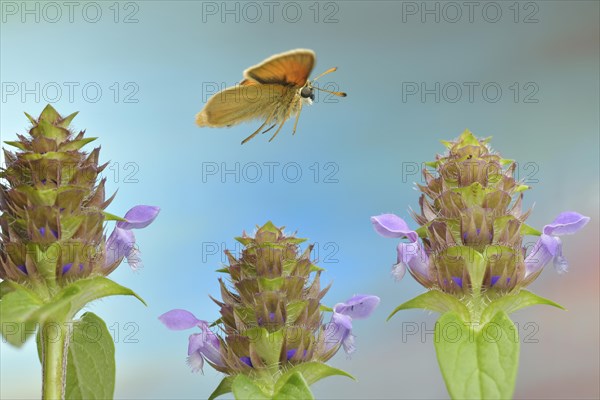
272,91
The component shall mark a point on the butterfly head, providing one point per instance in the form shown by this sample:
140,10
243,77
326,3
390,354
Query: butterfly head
307,92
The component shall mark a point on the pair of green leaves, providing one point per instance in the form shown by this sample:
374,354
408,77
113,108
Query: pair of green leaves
478,360
293,384
90,360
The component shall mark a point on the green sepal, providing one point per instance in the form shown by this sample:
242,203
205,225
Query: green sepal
474,194
325,308
72,298
522,188
30,118
294,388
49,114
312,372
435,300
529,230
468,139
74,145
39,197
18,145
223,388
477,362
112,217
244,388
17,306
66,121
513,302
47,129
266,344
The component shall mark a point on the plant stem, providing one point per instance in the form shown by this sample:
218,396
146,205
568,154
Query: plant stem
55,341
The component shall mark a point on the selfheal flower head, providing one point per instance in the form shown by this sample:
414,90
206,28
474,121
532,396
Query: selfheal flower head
271,311
53,208
471,225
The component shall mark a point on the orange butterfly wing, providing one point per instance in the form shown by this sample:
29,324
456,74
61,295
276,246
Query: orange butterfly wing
291,68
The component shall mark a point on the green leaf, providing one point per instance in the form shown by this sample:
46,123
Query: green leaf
243,388
75,296
513,302
294,388
312,372
478,363
435,300
223,388
17,306
90,360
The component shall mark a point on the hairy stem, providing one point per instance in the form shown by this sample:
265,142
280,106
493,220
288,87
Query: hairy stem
55,341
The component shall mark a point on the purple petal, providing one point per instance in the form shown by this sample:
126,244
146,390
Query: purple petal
392,226
413,256
494,279
139,217
247,361
337,330
291,353
567,223
207,344
542,253
359,306
196,362
398,271
457,280
22,269
119,245
178,320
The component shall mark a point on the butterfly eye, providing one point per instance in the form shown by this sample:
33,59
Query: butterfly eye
307,92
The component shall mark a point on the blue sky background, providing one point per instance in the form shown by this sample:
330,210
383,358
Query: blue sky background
153,75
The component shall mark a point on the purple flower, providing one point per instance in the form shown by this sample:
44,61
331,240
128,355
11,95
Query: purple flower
549,246
392,226
339,329
410,255
201,346
121,242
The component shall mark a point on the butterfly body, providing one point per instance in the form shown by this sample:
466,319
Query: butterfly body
272,91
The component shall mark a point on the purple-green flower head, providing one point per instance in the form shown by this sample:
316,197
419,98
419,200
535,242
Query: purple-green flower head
202,346
121,242
271,312
339,329
52,225
472,226
549,246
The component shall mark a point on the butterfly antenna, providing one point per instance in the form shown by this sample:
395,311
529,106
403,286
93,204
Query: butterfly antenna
340,94
330,70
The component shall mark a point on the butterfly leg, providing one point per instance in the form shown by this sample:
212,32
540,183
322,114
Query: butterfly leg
297,118
287,115
259,128
269,128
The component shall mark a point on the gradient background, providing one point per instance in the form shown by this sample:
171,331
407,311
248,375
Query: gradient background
372,136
